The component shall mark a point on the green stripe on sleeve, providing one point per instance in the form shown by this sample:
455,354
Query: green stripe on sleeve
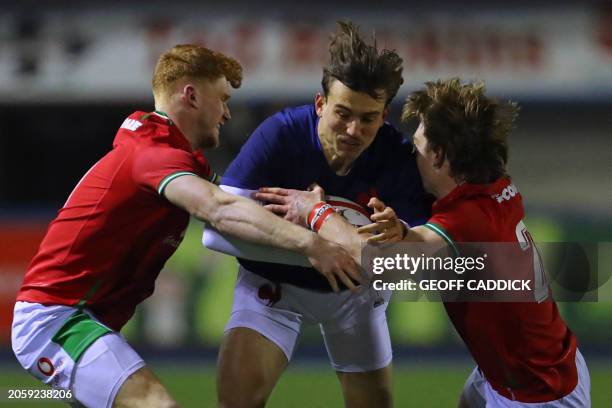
78,333
170,177
215,178
440,231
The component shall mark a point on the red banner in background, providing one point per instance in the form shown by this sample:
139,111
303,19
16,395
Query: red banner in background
19,242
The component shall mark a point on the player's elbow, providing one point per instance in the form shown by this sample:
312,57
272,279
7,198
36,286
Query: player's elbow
219,212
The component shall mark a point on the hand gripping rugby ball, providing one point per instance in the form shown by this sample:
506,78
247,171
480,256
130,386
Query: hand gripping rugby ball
353,212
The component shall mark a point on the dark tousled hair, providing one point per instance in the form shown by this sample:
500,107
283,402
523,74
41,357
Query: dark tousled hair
360,66
465,126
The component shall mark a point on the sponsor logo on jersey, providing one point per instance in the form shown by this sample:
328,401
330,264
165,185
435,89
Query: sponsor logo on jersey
131,124
45,366
506,194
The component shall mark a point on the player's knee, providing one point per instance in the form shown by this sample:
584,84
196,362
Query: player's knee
385,391
243,391
378,399
142,389
379,395
250,395
159,404
242,401
146,401
367,389
249,366
146,398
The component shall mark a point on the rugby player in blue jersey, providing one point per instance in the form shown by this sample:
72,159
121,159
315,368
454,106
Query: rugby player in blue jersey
342,143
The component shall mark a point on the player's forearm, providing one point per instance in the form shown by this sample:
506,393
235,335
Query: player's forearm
237,216
421,234
230,245
243,218
337,229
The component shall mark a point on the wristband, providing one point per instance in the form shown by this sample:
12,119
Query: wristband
318,214
318,221
314,211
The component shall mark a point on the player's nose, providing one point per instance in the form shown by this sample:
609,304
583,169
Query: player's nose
353,128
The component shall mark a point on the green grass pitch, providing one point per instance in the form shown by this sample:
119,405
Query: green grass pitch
313,386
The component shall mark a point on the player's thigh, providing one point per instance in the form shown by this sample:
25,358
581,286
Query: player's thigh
111,373
265,307
367,389
143,389
68,348
259,340
359,347
33,331
357,335
248,368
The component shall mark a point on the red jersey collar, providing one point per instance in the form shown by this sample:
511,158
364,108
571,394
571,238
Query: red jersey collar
466,190
177,137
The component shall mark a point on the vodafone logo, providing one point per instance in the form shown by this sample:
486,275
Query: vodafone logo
46,366
506,194
131,124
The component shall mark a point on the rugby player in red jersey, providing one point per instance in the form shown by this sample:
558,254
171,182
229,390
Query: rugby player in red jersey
526,355
124,219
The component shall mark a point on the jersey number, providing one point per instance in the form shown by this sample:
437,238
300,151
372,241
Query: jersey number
525,239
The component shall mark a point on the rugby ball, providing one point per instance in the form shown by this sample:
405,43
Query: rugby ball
353,212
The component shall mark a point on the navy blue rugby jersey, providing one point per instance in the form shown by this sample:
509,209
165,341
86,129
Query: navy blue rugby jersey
285,151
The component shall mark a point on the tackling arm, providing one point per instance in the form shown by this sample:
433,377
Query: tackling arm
230,245
235,215
240,217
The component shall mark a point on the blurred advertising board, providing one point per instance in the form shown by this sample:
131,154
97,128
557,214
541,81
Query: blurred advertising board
109,55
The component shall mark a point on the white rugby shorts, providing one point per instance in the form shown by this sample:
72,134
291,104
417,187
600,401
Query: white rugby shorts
68,348
353,325
479,393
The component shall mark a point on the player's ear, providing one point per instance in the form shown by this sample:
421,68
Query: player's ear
439,158
319,103
188,95
385,113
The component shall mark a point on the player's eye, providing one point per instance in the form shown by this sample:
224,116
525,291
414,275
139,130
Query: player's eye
342,114
367,119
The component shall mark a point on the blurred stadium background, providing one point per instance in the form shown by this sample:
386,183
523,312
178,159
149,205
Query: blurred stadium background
71,71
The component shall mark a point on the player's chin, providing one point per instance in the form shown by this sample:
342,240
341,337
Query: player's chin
351,152
211,141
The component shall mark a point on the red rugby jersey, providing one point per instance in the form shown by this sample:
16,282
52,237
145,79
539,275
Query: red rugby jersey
115,232
524,349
